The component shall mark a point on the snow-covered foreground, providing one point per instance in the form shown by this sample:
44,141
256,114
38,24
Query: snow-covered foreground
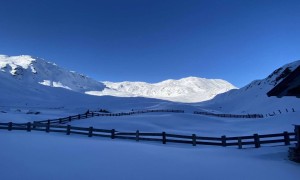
37,155
40,155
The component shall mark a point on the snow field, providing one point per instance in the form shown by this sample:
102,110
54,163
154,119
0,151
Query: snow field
37,155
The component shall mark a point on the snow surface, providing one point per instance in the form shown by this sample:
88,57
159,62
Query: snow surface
39,155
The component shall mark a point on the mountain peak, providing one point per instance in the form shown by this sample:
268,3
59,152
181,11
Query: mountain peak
14,63
33,71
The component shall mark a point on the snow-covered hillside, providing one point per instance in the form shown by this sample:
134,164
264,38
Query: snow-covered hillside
253,97
191,89
31,70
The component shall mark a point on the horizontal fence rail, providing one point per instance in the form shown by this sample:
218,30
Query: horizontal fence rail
230,115
256,140
90,114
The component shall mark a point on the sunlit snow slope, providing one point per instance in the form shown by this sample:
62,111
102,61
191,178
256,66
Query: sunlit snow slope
191,89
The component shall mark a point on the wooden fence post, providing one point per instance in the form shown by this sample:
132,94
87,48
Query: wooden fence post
286,138
297,136
10,126
194,139
256,140
34,126
223,141
92,114
137,135
29,126
113,132
164,139
78,116
68,130
240,143
47,127
91,131
70,119
59,120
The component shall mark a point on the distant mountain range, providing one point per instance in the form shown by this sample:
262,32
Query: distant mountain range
27,81
31,70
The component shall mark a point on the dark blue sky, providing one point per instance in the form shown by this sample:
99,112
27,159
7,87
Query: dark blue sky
154,40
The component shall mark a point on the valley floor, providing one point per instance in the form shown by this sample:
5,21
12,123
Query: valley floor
37,155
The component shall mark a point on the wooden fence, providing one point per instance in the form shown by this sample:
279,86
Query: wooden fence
257,140
274,113
90,114
231,115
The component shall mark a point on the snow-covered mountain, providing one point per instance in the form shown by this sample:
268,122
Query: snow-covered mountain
254,95
30,70
191,89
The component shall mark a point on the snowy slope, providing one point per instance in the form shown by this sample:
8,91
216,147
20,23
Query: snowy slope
253,97
30,70
191,89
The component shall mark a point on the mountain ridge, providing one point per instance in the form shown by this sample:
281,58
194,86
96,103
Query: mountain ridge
253,95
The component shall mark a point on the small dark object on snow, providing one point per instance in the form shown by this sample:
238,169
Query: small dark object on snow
33,112
104,111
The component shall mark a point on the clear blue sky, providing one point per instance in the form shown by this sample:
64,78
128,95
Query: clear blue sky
154,40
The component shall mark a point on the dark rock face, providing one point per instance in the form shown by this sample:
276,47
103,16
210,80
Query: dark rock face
289,86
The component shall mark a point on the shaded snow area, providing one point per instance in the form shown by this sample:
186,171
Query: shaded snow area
37,155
